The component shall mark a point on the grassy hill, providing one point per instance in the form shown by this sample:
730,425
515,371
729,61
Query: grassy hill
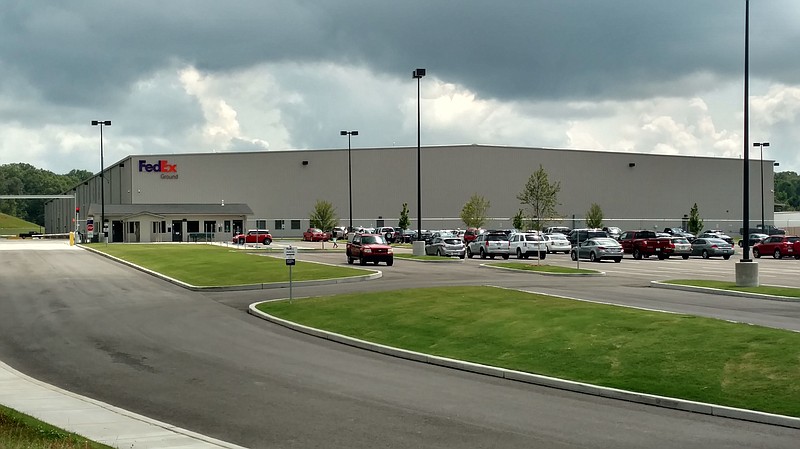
13,226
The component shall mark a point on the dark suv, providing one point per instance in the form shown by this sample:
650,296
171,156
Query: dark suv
585,234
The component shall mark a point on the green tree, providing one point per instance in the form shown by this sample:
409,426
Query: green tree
594,217
787,190
541,196
475,211
404,222
323,216
519,220
695,222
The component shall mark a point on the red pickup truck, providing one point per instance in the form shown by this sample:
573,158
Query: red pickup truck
645,244
369,248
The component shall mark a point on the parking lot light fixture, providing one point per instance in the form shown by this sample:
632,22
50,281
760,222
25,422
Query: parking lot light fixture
349,174
418,74
761,145
102,123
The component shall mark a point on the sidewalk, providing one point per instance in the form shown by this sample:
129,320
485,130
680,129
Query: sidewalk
92,419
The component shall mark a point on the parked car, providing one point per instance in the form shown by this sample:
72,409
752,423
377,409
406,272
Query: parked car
557,230
387,233
489,244
471,233
598,248
408,235
613,231
369,248
526,244
712,247
585,234
716,235
557,243
680,246
753,239
446,246
680,232
315,235
339,232
779,246
261,236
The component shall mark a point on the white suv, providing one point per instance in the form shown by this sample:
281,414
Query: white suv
489,244
527,244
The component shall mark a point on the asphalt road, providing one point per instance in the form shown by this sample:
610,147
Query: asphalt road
196,360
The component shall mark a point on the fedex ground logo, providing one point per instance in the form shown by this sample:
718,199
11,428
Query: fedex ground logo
167,170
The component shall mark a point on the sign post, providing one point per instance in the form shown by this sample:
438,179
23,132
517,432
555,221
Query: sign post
89,228
289,254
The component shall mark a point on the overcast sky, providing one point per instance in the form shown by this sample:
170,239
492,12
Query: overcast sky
180,76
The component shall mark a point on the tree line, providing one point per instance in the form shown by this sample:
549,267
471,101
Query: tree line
787,190
25,179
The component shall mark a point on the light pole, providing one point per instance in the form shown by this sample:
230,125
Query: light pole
102,123
418,74
762,145
349,175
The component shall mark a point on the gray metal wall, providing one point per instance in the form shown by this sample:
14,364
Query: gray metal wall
657,191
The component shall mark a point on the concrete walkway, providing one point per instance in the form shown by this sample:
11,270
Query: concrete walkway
93,419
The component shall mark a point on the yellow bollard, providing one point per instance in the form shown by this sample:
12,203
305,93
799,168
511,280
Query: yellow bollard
71,238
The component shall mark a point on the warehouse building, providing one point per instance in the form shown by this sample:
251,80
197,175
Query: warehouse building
175,197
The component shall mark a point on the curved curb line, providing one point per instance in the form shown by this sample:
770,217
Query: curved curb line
720,291
376,274
536,379
119,411
542,273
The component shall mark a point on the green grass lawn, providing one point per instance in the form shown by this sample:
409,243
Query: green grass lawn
20,431
14,226
673,355
788,292
542,268
210,265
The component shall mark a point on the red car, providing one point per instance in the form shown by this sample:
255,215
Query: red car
316,235
369,248
779,246
261,236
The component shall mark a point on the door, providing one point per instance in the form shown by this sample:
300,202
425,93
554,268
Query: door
177,230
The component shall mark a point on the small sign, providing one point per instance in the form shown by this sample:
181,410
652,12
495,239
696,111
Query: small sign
289,254
90,227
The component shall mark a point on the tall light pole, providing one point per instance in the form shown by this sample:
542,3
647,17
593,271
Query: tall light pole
418,74
746,153
349,174
762,145
102,123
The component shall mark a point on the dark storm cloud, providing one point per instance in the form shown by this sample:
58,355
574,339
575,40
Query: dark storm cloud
86,51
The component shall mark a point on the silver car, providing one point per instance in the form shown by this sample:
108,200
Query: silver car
446,246
597,249
712,247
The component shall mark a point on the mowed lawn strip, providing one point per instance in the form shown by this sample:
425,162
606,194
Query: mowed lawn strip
209,265
788,292
666,354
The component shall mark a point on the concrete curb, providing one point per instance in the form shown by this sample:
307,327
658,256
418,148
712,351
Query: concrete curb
719,291
562,384
375,274
540,273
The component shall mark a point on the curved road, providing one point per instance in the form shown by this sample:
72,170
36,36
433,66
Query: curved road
195,360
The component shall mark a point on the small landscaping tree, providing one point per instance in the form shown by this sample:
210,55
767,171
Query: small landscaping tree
323,216
519,220
594,217
695,222
404,222
541,196
474,212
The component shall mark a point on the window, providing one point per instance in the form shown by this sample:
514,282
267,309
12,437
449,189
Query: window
295,224
227,225
261,224
279,224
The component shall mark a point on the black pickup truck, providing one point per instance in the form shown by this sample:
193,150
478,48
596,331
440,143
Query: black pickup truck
768,229
30,234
